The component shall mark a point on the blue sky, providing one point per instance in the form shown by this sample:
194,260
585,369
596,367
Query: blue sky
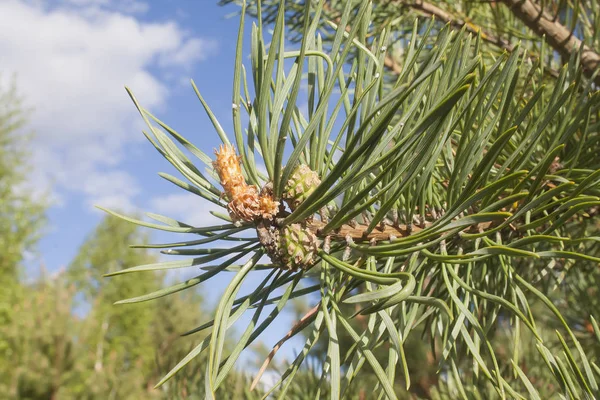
72,71
71,60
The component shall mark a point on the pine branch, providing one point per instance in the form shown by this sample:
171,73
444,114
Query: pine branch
509,169
360,232
430,10
557,35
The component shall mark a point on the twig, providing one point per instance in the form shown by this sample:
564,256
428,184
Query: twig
298,326
557,35
430,10
358,232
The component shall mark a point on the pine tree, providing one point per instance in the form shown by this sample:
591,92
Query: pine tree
119,341
21,214
549,36
70,341
451,199
41,340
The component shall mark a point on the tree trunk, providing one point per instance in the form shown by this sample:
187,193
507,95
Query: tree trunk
98,366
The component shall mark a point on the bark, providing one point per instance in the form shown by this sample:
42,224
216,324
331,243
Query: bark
431,10
358,232
556,35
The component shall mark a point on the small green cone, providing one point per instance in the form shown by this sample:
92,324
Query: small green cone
303,182
298,247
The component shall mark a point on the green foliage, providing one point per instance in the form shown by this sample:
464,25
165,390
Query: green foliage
453,200
71,341
21,214
120,338
41,356
497,23
105,250
61,336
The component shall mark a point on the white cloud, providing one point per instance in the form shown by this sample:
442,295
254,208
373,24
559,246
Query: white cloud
127,6
184,55
71,63
112,189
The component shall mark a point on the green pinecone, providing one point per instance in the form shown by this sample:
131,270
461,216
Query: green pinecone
303,182
298,247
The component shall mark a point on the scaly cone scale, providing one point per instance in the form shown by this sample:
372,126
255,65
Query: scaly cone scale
245,202
298,247
303,182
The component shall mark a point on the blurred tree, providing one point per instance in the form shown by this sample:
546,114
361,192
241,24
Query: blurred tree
118,340
71,341
42,341
129,346
21,213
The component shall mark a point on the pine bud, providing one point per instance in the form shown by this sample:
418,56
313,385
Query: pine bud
245,202
302,183
229,170
298,247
